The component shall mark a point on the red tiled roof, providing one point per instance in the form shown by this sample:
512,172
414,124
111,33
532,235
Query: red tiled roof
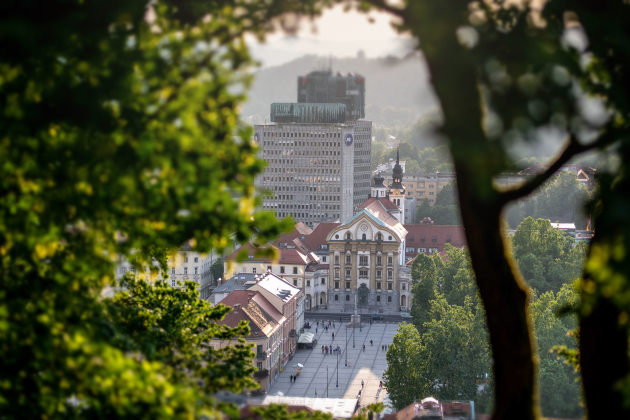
248,302
287,256
384,201
415,232
266,306
318,237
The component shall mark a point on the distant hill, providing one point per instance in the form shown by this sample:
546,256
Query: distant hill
399,83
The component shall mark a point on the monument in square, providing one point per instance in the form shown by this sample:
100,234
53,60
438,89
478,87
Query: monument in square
355,319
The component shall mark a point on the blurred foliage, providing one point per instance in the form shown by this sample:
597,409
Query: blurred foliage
118,133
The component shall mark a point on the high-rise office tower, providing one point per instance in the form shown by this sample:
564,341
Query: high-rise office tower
318,151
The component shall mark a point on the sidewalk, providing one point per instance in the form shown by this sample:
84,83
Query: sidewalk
367,365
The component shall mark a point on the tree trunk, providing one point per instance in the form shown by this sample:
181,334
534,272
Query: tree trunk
604,356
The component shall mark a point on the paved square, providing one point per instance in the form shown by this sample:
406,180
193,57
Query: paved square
363,365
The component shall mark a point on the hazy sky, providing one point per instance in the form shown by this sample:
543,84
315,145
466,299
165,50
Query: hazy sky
338,33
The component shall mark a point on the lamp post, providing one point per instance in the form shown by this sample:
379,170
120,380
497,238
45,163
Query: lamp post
355,316
337,386
347,345
326,381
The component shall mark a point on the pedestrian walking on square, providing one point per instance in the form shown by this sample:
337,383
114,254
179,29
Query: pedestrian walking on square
333,336
291,378
322,349
382,347
339,319
333,325
380,385
315,330
315,393
361,383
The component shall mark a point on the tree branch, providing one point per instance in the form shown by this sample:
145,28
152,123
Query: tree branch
382,4
573,148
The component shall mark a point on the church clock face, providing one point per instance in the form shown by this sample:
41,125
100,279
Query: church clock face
349,139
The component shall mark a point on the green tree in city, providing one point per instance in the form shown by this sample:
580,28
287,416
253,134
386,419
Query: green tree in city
405,377
424,210
430,165
424,276
447,196
455,345
217,270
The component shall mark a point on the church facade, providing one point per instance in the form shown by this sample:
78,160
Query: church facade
367,254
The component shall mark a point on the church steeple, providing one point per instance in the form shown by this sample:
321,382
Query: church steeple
397,173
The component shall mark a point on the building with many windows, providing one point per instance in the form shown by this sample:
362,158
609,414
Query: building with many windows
314,169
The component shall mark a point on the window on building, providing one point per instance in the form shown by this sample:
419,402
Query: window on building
431,201
364,237
410,250
185,259
185,270
336,297
253,270
244,270
269,267
337,273
363,260
363,273
323,280
173,270
423,238
348,259
379,237
404,287
430,193
347,285
390,274
389,286
196,270
378,260
378,298
389,298
295,270
347,273
433,238
295,282
347,298
336,259
324,259
308,283
196,259
390,260
281,269
448,239
378,285
389,237
336,285
348,236
431,186
259,365
173,282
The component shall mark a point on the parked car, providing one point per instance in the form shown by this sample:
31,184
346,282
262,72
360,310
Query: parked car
376,317
405,315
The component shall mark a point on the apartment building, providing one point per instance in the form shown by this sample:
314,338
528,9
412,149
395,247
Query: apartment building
289,301
291,263
187,264
266,325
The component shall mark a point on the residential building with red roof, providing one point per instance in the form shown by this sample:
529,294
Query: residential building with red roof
289,301
427,238
266,325
290,264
